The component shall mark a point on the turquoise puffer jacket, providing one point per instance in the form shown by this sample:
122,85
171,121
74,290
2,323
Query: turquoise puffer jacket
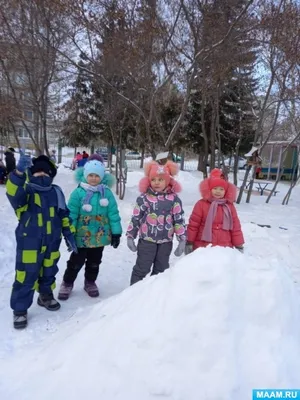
94,228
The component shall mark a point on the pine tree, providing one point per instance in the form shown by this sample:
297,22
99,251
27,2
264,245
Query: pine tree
237,119
225,83
83,124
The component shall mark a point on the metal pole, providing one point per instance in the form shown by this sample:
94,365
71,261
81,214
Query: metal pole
270,161
294,164
279,163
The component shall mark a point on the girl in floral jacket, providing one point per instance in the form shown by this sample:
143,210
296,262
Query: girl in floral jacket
214,219
158,214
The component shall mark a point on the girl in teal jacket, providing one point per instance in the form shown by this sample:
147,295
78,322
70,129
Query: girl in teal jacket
95,215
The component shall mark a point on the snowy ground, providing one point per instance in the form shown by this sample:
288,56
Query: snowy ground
213,327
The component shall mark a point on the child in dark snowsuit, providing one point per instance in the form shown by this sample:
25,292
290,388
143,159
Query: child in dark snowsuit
95,215
43,218
10,160
2,172
158,214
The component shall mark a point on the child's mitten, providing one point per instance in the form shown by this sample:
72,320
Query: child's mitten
24,162
115,241
130,244
180,248
71,244
188,248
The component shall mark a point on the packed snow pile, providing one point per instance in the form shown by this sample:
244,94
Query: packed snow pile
213,327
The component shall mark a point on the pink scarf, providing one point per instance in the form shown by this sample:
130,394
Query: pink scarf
227,219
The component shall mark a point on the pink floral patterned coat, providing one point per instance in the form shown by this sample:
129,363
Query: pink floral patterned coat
157,217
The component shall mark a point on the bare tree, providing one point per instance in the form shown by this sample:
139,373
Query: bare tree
31,53
157,46
202,53
278,57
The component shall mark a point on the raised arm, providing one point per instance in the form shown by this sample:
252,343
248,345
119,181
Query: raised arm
16,190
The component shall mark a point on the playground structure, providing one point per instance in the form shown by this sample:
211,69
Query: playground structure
276,158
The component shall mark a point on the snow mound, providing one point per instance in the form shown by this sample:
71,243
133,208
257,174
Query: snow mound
205,329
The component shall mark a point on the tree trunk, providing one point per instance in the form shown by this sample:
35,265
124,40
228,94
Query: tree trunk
206,147
235,169
294,182
142,158
45,140
251,184
236,162
243,184
117,169
278,177
44,111
218,130
201,165
59,154
182,155
213,138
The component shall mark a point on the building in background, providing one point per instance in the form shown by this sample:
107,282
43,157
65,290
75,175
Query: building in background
28,115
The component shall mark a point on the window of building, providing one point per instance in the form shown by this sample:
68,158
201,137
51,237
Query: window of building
23,132
28,115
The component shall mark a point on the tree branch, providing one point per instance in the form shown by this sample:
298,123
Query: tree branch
192,70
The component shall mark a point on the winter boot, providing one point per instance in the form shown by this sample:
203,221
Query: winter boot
20,320
65,290
91,288
48,301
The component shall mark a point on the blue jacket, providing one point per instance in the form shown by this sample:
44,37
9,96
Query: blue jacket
38,213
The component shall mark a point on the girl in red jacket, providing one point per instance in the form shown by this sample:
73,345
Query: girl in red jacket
214,219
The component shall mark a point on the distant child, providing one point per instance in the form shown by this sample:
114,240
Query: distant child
76,160
82,160
10,160
95,215
3,172
158,214
214,219
43,218
53,156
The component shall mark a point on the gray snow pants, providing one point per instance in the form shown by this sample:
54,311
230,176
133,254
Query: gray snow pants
149,253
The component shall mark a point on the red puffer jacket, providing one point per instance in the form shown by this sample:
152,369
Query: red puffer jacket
220,237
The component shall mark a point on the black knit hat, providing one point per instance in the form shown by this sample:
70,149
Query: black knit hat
43,164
